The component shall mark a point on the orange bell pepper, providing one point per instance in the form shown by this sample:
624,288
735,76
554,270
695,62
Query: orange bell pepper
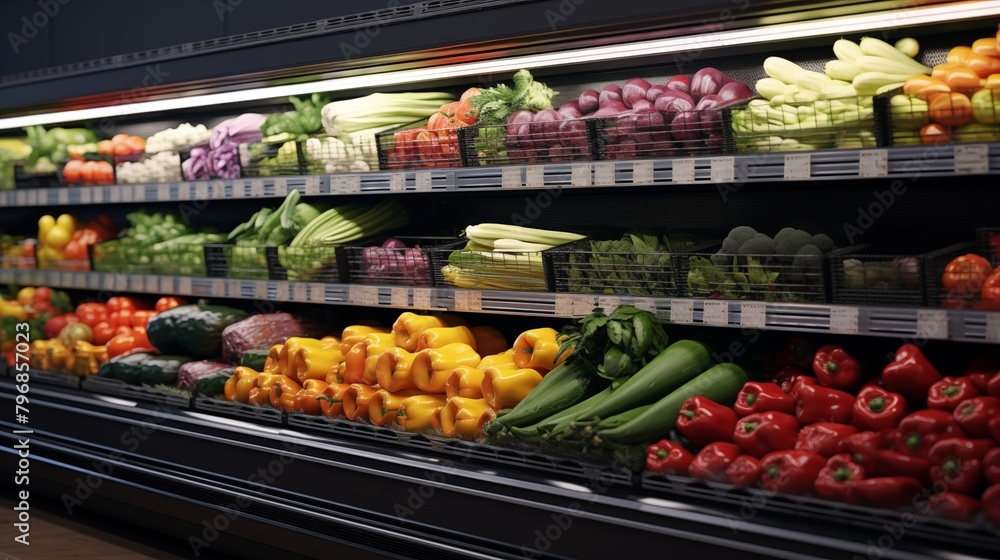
465,382
504,388
273,362
431,367
237,388
331,403
983,65
957,76
985,46
356,399
959,55
283,392
306,399
538,349
260,391
408,327
417,413
383,405
376,344
924,87
357,333
440,336
352,369
315,361
953,109
393,370
489,340
463,418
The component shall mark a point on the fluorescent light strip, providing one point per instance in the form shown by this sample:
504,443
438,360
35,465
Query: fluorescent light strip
780,32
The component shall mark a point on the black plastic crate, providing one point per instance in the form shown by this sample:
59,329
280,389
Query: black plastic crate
907,114
323,154
664,134
247,262
419,148
582,267
269,159
988,244
780,278
530,143
903,278
369,263
455,266
762,126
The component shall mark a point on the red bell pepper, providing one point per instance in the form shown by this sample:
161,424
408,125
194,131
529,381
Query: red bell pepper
991,466
950,391
764,432
993,385
952,505
885,491
793,471
824,437
836,477
990,293
863,447
910,374
797,353
814,403
763,397
991,504
980,370
974,415
889,462
668,457
711,462
786,378
994,426
877,409
957,463
920,430
703,421
835,367
744,471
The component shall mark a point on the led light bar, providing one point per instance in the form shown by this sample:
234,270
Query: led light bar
841,25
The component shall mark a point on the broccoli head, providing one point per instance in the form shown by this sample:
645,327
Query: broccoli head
741,234
824,243
759,244
791,242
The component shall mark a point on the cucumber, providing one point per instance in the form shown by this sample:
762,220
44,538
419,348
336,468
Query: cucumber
560,389
721,384
254,359
213,385
144,369
192,330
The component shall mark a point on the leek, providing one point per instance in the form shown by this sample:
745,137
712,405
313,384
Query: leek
380,111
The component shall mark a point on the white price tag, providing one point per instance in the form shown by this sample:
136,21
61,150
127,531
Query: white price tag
972,159
97,194
163,192
63,196
280,186
642,173
753,314
369,296
993,327
115,194
583,305
844,319
218,287
257,188
467,300
137,283
646,304
35,198
260,290
683,171
300,291
400,297
422,298
681,311
128,193
167,284
608,303
798,167
183,286
66,280
312,185
201,191
932,323
317,292
423,181
397,182
534,176
86,195
510,178
282,291
564,305
604,173
581,175
21,198
345,184
354,294
873,163
723,170
715,312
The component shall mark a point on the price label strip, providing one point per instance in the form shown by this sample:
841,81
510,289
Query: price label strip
369,296
873,163
604,173
844,320
282,291
397,182
422,298
993,327
608,303
300,291
932,323
534,176
642,173
646,304
345,184
312,185
715,313
972,159
400,297
753,315
683,171
681,311
510,177
183,286
723,170
798,167
317,292
424,181
280,186
581,175
564,306
467,300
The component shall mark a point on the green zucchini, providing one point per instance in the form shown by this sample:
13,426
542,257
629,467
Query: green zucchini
561,388
192,330
212,385
721,383
254,359
144,369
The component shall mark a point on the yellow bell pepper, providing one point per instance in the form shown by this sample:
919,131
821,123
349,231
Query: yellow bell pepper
356,400
60,357
503,359
238,385
305,400
465,382
352,369
330,339
283,392
463,418
432,366
26,295
13,309
272,364
504,388
409,326
292,346
489,340
88,358
439,336
331,403
537,349
315,361
260,390
416,414
357,333
376,344
383,405
393,370
40,354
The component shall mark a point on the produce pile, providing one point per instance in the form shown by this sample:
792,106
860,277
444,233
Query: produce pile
391,262
32,306
971,282
63,243
157,243
184,137
436,144
220,158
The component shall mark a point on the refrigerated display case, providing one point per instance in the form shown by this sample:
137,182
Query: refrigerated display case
257,481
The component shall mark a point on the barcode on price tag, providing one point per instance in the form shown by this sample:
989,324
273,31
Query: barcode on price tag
608,303
467,300
397,182
317,292
873,163
932,323
972,159
993,327
400,297
715,313
642,173
423,181
798,167
422,298
753,315
581,175
681,311
345,184
683,171
510,178
646,304
604,173
723,170
564,305
844,319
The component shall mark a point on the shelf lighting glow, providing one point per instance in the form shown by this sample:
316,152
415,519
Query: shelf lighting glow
841,25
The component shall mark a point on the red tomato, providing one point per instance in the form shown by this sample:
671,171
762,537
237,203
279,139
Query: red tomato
140,318
91,314
121,318
102,333
165,303
72,170
121,303
42,294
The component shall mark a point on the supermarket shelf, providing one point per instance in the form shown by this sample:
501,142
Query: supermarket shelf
905,322
899,162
